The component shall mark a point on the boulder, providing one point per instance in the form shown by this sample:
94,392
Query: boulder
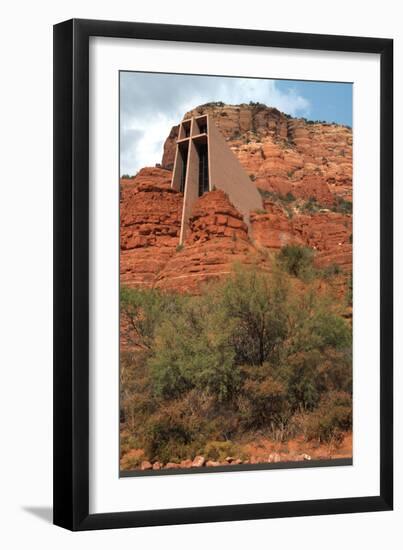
198,461
186,463
274,457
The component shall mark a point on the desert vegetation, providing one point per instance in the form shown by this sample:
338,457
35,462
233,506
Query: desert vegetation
261,353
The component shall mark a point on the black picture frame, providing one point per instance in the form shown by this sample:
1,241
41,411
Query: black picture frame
71,274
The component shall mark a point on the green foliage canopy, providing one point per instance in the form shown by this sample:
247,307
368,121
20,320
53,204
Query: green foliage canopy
257,351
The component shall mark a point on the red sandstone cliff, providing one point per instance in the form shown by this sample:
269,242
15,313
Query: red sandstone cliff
217,239
283,155
150,214
280,153
328,233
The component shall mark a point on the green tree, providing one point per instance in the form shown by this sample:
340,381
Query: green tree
255,301
314,323
145,309
193,350
300,375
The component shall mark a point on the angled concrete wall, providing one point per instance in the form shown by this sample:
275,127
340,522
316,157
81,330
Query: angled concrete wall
224,170
227,173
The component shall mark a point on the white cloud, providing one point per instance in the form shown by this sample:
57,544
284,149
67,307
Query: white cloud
266,91
152,103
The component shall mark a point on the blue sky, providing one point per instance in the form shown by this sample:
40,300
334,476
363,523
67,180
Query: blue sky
151,103
330,101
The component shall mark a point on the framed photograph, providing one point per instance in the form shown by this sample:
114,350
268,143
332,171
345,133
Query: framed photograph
223,259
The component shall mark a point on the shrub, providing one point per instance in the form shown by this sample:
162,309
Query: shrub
311,205
334,371
168,438
343,206
179,428
289,197
257,351
145,310
219,450
315,325
300,377
333,416
136,397
267,194
192,350
127,443
331,331
213,104
330,271
276,197
263,402
131,460
257,104
296,260
349,293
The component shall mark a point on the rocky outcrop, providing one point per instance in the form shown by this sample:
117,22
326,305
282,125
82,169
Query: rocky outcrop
170,148
214,216
150,216
282,154
272,228
217,238
328,233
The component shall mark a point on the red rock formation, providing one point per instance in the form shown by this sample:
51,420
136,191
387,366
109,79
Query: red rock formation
273,229
282,154
170,148
216,240
329,233
150,214
214,216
